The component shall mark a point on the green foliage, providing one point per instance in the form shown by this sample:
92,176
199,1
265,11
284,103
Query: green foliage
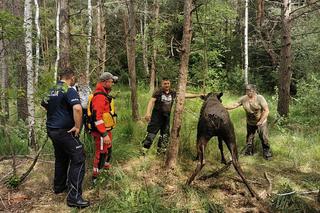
10,26
306,105
13,181
290,202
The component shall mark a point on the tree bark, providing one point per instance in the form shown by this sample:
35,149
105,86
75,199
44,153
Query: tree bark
172,153
4,107
285,70
65,35
144,33
89,41
153,70
246,56
22,106
260,12
101,37
130,29
37,59
57,42
30,72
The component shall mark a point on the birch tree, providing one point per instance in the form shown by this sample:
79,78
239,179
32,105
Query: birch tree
172,153
57,41
89,40
37,59
30,72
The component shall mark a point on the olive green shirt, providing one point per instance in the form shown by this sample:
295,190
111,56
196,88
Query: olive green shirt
253,108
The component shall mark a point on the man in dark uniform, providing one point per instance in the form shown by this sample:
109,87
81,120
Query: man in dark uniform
64,117
160,105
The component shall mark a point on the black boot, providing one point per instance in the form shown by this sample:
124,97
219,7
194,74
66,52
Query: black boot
80,203
267,154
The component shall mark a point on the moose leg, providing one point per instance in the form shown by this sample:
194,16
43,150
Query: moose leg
233,150
223,159
201,146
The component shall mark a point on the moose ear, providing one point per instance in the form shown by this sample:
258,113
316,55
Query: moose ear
220,95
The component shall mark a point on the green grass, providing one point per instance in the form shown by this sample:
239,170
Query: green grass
124,188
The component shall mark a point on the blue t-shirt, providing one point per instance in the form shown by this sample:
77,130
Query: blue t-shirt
59,106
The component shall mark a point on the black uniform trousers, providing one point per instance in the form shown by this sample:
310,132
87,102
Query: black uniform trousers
69,162
159,121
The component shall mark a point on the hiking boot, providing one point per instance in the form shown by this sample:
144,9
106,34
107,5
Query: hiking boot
80,203
267,154
249,150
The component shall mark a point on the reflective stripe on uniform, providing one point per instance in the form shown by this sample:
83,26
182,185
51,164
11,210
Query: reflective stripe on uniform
99,122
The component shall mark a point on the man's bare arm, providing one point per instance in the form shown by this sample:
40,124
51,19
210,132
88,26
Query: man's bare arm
264,115
77,117
190,95
150,108
232,106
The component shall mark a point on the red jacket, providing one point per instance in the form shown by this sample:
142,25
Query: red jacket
100,105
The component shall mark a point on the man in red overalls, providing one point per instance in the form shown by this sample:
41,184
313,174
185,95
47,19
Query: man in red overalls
102,135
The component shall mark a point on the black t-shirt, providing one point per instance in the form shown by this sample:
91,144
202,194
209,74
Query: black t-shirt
164,100
59,106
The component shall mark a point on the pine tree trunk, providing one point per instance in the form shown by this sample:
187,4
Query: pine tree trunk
37,59
101,37
89,41
65,35
172,153
30,72
57,42
285,70
130,29
18,45
153,70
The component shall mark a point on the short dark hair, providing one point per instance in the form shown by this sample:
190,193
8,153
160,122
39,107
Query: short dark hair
67,73
165,79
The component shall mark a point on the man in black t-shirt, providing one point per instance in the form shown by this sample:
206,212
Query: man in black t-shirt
64,117
158,115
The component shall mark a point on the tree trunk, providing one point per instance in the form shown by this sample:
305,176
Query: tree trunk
101,37
4,107
37,59
65,35
260,12
30,72
89,41
246,56
57,42
285,71
172,153
154,47
22,106
130,29
144,33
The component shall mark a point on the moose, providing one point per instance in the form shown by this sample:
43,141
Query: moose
215,121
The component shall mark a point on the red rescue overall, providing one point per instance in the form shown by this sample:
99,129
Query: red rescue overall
101,105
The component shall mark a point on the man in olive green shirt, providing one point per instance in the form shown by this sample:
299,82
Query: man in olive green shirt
257,111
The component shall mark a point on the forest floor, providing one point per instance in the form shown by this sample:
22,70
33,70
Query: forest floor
138,183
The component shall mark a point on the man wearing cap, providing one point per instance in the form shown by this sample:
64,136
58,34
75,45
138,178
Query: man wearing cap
257,111
64,116
102,135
